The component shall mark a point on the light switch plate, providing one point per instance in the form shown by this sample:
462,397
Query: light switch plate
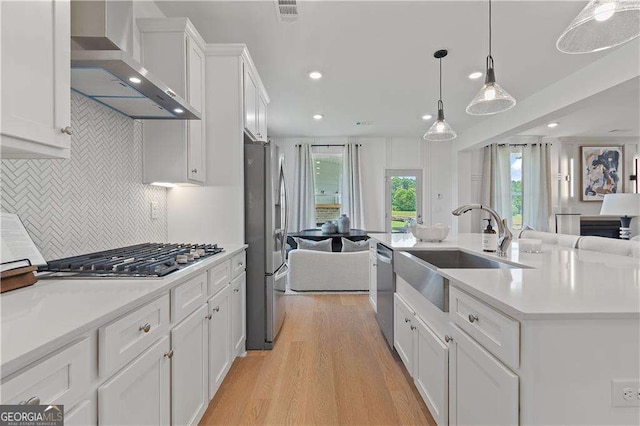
155,210
625,393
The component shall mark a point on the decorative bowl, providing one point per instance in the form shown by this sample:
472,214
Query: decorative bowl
430,233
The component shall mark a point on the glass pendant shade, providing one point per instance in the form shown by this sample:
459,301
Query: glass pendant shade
440,129
492,98
602,24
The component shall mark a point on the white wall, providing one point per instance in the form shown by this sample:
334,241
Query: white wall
381,153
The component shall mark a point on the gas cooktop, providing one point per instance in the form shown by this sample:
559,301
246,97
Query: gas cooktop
148,260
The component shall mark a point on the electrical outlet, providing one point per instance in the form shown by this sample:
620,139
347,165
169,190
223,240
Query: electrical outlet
625,393
155,210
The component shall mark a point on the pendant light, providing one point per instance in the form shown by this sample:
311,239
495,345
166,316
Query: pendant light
440,129
491,99
602,24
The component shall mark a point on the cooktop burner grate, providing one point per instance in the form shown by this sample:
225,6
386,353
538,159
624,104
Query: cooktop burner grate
140,260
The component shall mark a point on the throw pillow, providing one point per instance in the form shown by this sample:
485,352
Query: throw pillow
349,246
323,245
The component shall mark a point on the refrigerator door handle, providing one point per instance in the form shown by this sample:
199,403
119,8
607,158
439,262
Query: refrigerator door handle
286,213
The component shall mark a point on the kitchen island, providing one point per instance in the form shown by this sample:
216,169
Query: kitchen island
550,338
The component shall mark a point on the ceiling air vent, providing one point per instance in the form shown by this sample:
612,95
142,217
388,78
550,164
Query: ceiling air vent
287,10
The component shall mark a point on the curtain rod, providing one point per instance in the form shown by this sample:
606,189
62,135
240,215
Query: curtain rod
523,144
328,145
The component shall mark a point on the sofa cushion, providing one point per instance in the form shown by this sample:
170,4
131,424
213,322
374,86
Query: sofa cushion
349,246
321,271
323,245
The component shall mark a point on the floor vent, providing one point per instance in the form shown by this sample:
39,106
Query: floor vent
287,10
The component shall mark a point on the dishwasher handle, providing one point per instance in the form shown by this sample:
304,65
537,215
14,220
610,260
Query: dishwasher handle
383,258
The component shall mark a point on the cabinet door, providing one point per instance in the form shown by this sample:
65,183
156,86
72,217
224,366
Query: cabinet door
481,389
238,314
219,339
250,103
35,79
196,141
189,368
431,371
403,332
83,414
139,393
262,119
373,287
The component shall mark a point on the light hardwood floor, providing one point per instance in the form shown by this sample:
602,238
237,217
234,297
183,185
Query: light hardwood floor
330,366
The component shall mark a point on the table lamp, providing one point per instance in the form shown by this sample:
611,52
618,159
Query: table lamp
625,206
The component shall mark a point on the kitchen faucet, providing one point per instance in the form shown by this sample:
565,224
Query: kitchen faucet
505,236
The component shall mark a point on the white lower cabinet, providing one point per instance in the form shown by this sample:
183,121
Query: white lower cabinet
430,371
219,339
403,327
139,394
373,280
189,368
481,389
84,414
238,314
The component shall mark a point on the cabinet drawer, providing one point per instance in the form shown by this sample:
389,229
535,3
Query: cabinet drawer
187,297
498,333
124,339
238,263
219,277
62,378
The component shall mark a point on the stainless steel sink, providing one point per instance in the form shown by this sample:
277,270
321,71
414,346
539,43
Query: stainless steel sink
419,268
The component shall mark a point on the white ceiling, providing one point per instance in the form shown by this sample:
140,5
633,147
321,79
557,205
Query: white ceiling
614,113
376,57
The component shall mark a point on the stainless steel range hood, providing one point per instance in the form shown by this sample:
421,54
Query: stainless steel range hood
115,79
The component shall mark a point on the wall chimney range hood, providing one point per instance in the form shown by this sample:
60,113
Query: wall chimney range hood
115,79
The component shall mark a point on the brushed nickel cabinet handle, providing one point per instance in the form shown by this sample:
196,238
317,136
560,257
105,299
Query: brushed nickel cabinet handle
169,354
235,290
34,400
68,130
145,328
448,339
413,327
473,318
194,170
217,309
209,316
407,320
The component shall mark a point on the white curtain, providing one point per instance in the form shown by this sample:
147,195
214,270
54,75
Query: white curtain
303,211
352,185
536,186
496,180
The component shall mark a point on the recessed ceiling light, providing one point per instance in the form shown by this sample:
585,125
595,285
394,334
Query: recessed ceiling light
427,117
552,125
315,75
475,75
178,110
318,116
135,80
317,162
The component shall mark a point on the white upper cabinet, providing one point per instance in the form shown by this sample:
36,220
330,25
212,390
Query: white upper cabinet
175,150
255,104
35,53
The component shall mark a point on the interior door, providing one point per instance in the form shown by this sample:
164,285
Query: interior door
403,198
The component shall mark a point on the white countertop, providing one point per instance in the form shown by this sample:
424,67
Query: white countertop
560,282
53,312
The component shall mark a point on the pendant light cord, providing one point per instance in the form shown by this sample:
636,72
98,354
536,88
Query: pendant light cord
489,27
440,79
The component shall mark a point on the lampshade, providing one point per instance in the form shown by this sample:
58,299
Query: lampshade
440,131
491,99
621,205
602,24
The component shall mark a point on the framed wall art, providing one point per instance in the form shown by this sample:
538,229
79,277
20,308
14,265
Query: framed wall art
601,171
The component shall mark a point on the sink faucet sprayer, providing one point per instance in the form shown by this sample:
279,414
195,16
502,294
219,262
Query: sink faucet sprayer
504,240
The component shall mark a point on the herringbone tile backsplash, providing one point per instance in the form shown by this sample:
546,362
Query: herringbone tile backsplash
96,199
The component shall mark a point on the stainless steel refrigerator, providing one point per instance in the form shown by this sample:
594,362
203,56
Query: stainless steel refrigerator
266,220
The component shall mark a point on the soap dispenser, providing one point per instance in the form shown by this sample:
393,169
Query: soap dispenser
489,238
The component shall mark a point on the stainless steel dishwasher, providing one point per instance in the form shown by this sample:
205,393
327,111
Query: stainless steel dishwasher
386,287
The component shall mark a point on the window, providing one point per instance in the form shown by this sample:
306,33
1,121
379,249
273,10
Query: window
403,198
515,160
328,184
